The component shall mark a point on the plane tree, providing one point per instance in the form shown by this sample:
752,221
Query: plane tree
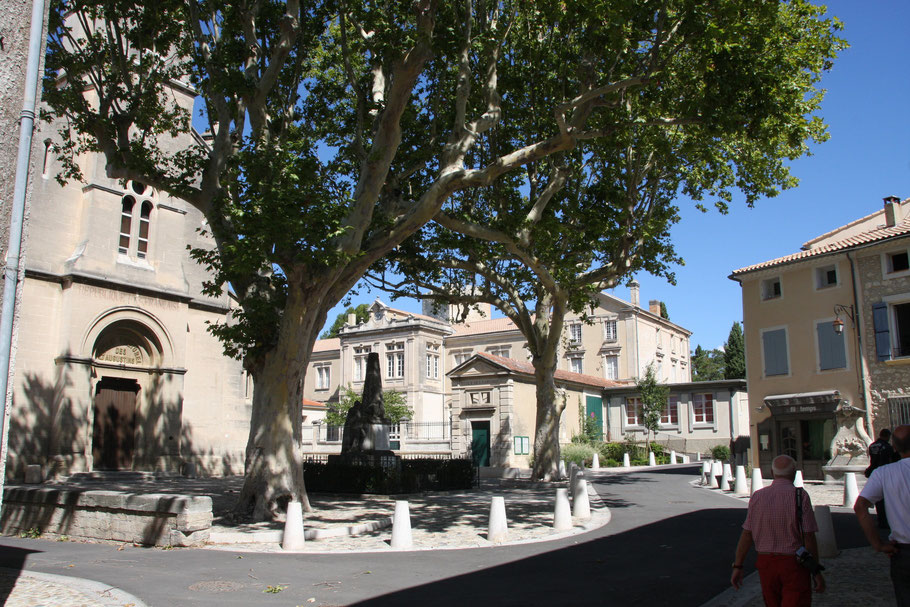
338,129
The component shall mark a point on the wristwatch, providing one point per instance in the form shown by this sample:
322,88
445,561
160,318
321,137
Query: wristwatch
735,566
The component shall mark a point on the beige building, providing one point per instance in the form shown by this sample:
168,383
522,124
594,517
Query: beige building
827,334
115,368
474,377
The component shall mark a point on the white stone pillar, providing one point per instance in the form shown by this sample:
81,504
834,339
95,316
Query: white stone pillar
562,513
595,464
293,537
562,469
757,481
581,506
625,461
672,457
716,470
851,492
498,529
740,489
401,526
651,460
798,481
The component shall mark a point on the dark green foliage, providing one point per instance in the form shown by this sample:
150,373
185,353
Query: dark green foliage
663,311
414,475
394,403
720,452
653,401
707,365
735,354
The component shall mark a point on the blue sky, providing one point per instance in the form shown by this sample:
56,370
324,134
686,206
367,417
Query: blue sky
866,159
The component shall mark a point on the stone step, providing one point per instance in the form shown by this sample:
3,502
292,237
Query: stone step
119,476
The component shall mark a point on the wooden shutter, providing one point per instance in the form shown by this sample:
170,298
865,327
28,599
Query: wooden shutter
831,352
775,351
882,333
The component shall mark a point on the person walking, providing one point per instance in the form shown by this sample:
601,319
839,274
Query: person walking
891,483
779,534
880,454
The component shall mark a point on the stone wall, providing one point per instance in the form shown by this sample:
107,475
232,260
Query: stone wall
151,519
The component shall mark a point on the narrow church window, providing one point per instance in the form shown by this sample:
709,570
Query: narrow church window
126,222
144,217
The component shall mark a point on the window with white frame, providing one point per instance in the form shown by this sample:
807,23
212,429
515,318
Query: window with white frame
136,208
522,445
575,332
771,288
323,377
611,366
774,352
360,362
669,415
433,361
703,409
395,360
503,351
633,410
576,364
610,329
825,277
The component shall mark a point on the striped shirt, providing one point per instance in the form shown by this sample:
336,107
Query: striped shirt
772,518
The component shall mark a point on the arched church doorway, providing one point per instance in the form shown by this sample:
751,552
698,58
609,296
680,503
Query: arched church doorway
114,428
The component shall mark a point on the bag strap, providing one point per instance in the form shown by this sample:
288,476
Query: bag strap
799,513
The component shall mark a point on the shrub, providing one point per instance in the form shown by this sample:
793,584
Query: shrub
612,451
411,476
579,453
720,453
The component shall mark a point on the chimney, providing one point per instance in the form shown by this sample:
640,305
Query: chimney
352,320
893,211
634,286
654,307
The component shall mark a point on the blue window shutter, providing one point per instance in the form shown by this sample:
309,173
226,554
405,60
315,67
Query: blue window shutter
775,346
831,351
882,333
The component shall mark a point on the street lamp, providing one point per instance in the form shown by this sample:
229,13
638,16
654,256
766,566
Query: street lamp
838,324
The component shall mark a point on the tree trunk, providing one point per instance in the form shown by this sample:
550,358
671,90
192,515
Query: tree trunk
546,433
274,455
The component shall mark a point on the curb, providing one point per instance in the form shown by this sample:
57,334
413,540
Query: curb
103,594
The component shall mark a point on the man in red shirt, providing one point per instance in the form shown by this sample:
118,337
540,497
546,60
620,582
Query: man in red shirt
772,527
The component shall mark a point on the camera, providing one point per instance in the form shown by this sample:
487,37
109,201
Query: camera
805,558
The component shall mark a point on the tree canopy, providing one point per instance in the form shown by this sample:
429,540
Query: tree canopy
337,129
735,354
360,312
707,365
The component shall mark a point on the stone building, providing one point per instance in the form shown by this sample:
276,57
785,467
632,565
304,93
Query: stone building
115,367
827,334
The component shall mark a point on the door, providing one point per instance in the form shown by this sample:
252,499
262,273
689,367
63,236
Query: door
114,428
480,443
594,409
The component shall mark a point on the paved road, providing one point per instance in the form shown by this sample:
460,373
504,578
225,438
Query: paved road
668,544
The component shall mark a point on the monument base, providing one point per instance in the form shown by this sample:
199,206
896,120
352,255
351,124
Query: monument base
370,459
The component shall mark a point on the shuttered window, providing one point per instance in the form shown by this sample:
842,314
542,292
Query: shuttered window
882,334
831,350
774,344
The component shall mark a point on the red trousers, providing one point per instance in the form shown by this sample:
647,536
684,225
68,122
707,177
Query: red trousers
784,582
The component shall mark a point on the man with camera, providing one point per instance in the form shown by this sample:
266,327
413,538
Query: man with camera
891,483
781,524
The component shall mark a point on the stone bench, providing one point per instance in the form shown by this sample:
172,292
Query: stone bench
152,519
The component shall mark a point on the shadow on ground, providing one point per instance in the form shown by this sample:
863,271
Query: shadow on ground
13,563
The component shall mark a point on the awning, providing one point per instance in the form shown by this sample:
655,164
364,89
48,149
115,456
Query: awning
802,403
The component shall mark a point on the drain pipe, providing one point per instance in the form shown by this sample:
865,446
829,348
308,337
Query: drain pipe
17,219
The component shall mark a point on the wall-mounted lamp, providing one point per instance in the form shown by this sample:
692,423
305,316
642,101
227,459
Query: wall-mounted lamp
838,324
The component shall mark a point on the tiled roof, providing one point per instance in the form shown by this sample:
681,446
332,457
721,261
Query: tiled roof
312,404
528,369
492,325
326,345
877,235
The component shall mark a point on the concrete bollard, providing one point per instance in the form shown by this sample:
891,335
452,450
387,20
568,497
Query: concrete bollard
716,470
740,489
562,469
573,472
827,543
725,477
685,459
798,481
672,457
595,464
728,471
562,513
33,474
293,538
757,481
698,457
581,505
851,492
498,529
401,526
625,461
705,471
651,460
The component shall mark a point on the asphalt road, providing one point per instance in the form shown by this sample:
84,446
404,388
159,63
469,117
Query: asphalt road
668,544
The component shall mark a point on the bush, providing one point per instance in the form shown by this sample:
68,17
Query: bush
612,451
581,454
411,476
720,453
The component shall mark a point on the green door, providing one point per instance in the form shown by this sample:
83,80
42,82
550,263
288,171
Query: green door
480,443
594,406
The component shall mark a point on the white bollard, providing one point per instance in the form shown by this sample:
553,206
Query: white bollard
562,469
498,529
672,457
651,460
798,481
581,505
293,538
757,481
685,459
595,464
401,526
625,461
728,471
698,457
573,472
740,489
850,490
562,513
827,543
705,470
716,470
725,478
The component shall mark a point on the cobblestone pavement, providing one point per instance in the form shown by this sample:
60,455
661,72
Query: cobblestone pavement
33,589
